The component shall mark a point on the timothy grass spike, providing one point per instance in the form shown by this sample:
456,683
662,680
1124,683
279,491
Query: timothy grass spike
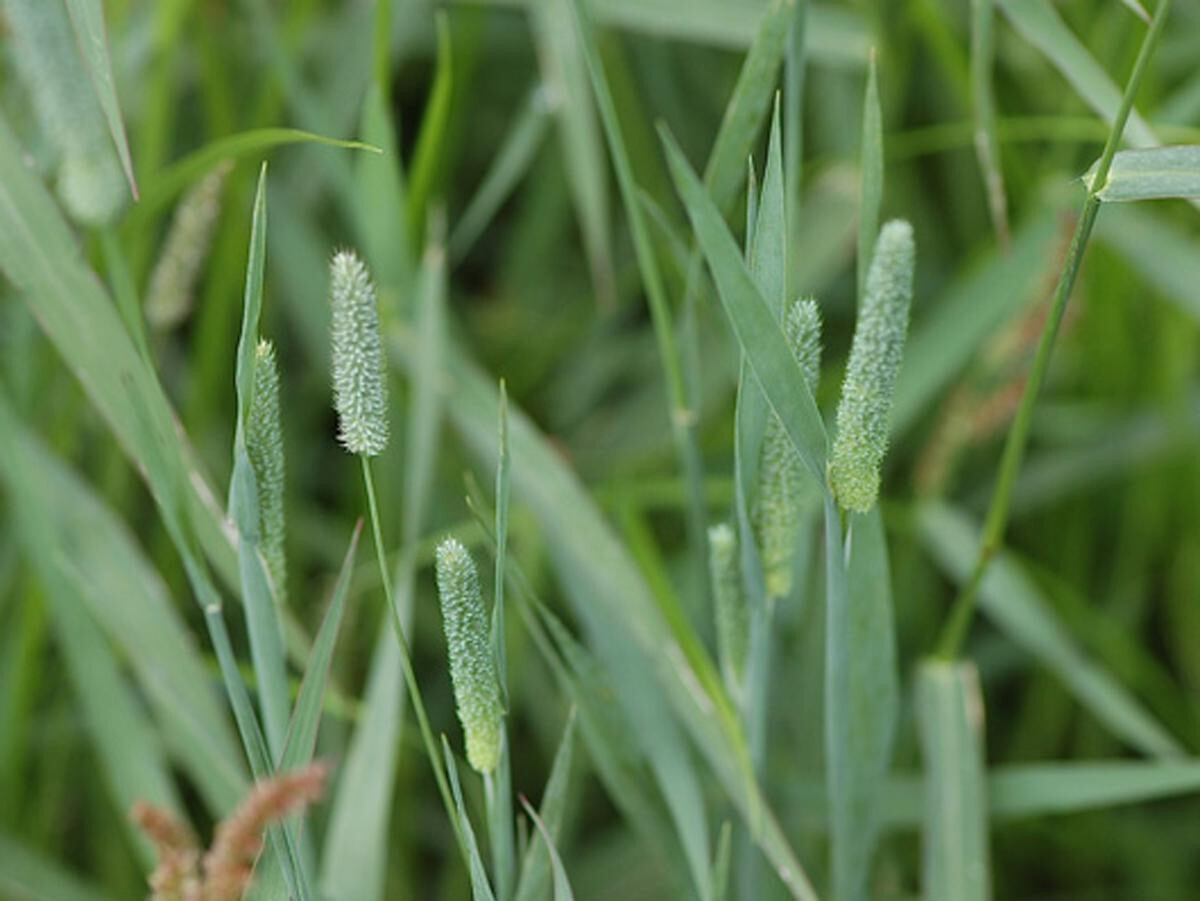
862,417
472,663
359,383
781,478
732,615
264,445
185,249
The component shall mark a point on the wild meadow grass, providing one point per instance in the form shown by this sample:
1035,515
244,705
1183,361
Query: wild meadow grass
775,425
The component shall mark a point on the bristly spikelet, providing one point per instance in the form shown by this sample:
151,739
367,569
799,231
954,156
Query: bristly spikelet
264,446
169,297
862,418
472,664
359,378
90,181
781,478
732,615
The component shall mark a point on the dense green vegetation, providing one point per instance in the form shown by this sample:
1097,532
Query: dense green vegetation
376,371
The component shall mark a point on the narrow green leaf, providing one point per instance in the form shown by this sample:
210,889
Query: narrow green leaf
870,164
1153,173
565,76
562,885
1039,23
480,889
387,241
534,865
760,336
950,716
1015,604
261,609
987,144
162,190
861,692
306,716
424,172
511,161
87,18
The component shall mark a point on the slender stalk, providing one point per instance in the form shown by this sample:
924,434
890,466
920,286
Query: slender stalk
410,677
958,624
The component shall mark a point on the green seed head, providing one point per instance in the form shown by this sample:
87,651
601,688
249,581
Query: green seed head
359,378
733,619
472,665
781,477
862,417
264,446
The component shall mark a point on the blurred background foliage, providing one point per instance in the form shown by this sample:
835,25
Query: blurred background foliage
543,290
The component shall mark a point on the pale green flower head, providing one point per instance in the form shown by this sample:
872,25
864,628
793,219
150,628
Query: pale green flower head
781,477
472,664
264,446
732,615
359,376
862,417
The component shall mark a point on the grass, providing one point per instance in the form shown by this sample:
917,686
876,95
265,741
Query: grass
975,680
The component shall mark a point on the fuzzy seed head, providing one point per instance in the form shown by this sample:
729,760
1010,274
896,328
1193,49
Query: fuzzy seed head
169,298
732,615
264,446
472,664
862,417
359,377
781,477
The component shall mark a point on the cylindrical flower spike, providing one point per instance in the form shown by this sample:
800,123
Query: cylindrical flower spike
264,446
862,418
359,378
732,615
472,664
781,477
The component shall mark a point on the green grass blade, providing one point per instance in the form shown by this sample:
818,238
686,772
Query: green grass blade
261,609
1014,604
512,160
1039,23
861,692
535,868
950,715
987,144
759,335
565,76
106,571
562,885
1153,173
161,192
306,716
130,752
381,190
87,18
425,169
748,105
870,174
480,889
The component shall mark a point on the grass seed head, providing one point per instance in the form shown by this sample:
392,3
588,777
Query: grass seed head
264,445
862,417
359,377
781,476
472,664
733,618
